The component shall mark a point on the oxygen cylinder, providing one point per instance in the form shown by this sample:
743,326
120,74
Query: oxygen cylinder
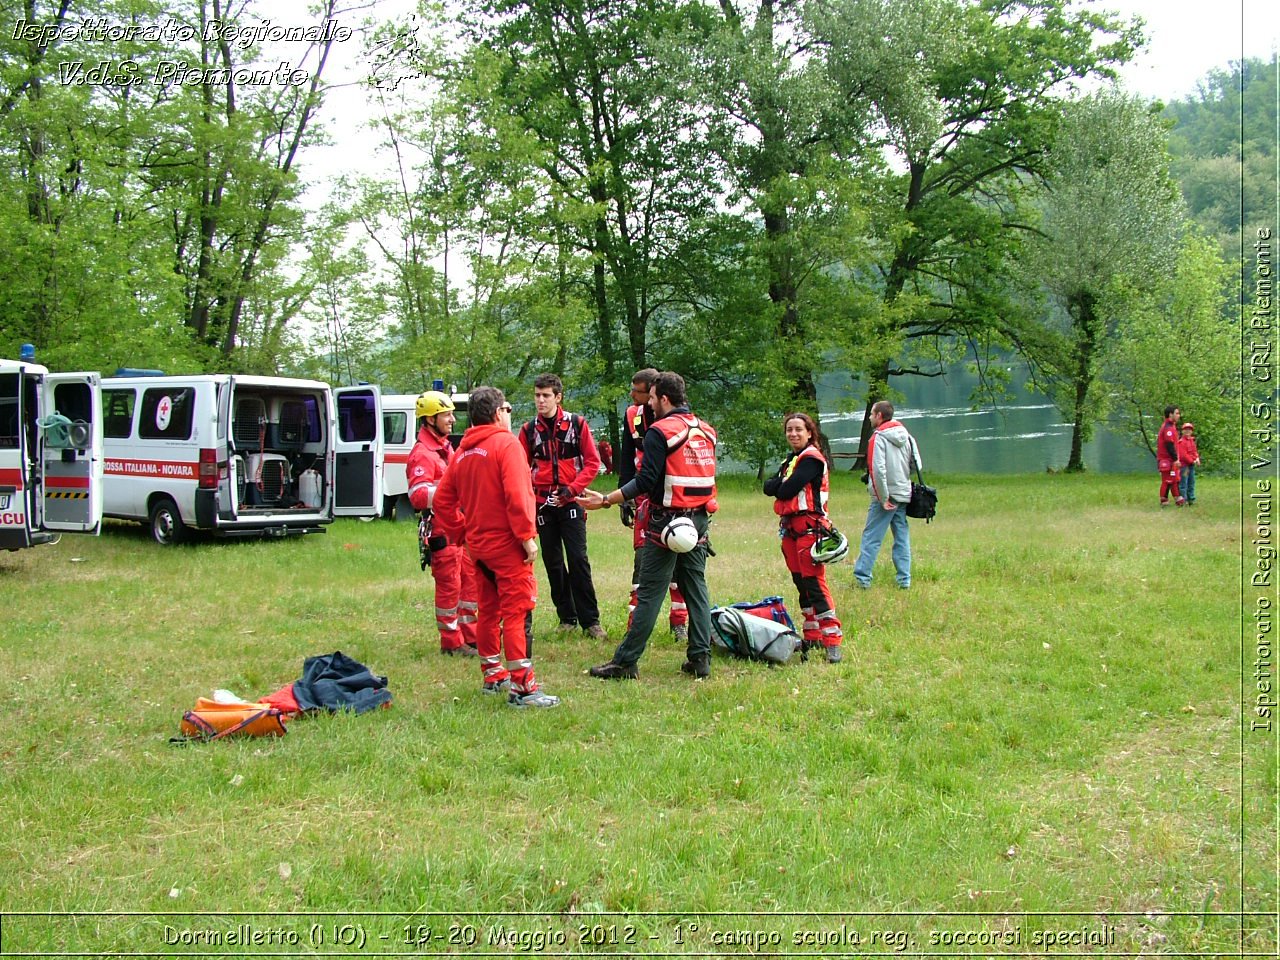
309,489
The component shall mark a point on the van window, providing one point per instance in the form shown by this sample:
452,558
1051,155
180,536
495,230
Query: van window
74,401
9,411
395,427
356,421
117,413
312,406
166,413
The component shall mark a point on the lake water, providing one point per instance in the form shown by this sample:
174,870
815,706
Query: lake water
1025,435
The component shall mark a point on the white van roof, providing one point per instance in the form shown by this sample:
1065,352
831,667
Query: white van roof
245,380
15,366
407,401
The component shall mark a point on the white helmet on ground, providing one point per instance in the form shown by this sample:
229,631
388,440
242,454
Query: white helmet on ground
679,535
830,547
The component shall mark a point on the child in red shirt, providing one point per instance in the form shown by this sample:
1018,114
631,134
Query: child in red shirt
1189,459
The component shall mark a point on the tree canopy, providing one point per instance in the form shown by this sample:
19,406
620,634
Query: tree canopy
751,192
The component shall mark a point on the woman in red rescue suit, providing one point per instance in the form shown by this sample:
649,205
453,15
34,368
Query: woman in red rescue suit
800,488
451,568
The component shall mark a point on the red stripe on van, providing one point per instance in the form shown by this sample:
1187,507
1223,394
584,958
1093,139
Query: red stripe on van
396,458
11,476
66,483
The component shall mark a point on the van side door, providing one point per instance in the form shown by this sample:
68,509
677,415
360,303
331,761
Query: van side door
70,457
357,474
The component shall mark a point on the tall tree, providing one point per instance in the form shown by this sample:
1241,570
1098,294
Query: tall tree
966,98
782,135
582,78
235,166
1180,344
150,179
1111,219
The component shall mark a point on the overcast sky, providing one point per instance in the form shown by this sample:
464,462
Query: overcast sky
1188,38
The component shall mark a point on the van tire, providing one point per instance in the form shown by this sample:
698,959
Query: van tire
399,508
166,523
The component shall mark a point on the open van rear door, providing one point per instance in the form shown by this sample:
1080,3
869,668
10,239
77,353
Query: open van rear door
17,411
70,453
357,475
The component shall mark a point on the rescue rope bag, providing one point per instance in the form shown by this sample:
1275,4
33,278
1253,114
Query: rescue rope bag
752,637
210,720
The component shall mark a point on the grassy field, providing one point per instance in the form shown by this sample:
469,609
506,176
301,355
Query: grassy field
1043,734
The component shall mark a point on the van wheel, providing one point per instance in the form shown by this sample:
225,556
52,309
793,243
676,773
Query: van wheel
166,523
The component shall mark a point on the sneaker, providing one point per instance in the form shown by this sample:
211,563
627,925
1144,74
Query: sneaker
614,671
534,698
1180,502
496,686
699,667
465,650
566,628
680,631
861,586
834,655
596,632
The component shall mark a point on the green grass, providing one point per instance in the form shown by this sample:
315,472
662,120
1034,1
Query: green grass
1046,723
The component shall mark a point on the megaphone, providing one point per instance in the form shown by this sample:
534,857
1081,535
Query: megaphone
79,435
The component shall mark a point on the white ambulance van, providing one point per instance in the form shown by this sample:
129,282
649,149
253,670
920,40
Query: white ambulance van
50,454
239,455
399,434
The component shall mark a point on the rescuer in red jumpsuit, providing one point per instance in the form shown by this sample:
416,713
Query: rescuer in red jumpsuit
451,568
486,502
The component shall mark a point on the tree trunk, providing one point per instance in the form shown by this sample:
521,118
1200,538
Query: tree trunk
1086,320
877,384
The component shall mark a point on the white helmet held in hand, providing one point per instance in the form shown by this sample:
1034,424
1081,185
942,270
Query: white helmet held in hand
830,547
679,535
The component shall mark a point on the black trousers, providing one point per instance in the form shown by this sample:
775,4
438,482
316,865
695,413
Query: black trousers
562,538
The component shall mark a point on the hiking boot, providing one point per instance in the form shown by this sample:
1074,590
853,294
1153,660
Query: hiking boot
566,628
465,650
680,631
614,671
699,667
496,686
834,655
534,698
596,632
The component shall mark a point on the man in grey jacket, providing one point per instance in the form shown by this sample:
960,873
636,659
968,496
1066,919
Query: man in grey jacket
890,454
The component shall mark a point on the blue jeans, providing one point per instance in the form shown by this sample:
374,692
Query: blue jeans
878,521
1187,485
